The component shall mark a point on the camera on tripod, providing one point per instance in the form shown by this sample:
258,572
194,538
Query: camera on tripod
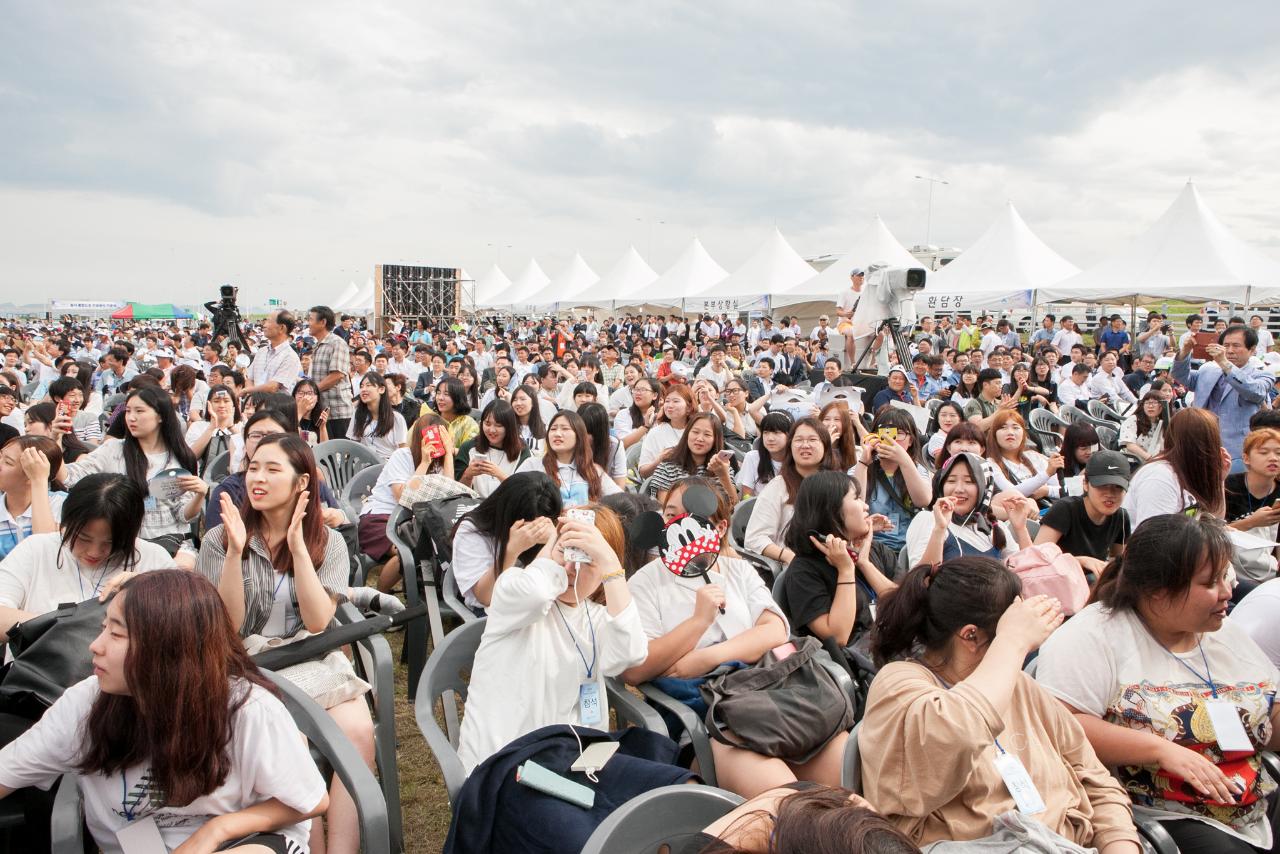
226,316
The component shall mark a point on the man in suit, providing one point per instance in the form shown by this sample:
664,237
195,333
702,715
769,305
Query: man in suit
1227,385
762,383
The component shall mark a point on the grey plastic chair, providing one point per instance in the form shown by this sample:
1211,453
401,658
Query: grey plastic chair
219,467
767,567
648,822
1102,412
445,679
1108,437
851,770
1044,426
690,723
419,587
452,597
340,459
320,730
374,664
352,498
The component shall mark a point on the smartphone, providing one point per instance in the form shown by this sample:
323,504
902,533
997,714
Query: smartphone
725,455
581,514
64,411
434,440
1203,340
887,434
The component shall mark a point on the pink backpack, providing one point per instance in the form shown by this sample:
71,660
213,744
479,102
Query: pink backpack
1046,569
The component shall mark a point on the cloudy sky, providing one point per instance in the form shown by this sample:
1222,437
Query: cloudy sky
153,150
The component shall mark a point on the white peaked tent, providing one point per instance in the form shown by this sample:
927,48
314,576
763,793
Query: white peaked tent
1186,254
629,275
773,268
1000,270
575,278
695,270
875,244
348,293
530,280
492,287
362,303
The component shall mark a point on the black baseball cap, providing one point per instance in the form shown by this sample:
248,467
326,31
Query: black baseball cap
1108,468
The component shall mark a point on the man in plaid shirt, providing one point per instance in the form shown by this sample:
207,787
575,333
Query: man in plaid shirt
330,365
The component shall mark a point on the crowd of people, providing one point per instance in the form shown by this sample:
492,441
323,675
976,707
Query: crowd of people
1060,627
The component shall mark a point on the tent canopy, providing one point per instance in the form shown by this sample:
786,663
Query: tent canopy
530,280
629,275
151,311
1186,254
1000,270
694,271
492,287
873,245
773,268
575,278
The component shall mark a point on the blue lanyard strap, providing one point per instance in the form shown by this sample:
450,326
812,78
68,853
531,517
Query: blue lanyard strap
592,666
124,798
1207,678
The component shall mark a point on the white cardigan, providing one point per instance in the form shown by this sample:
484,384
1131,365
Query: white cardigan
769,517
527,671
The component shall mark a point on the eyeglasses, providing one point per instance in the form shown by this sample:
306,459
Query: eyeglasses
256,437
806,441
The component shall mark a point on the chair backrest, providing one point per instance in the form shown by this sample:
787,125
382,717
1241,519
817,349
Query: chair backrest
851,771
738,522
219,467
1100,410
647,823
1108,437
360,485
778,592
633,456
340,459
444,672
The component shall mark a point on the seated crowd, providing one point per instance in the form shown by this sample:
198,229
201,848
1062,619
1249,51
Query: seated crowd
1041,576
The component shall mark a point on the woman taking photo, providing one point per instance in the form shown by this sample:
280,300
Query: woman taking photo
97,541
1178,699
507,528
496,451
605,449
689,638
175,706
211,432
831,587
39,420
764,461
941,423
279,570
1143,432
678,407
700,451
890,474
964,518
633,423
554,626
524,402
152,443
313,415
30,495
951,716
1017,467
809,451
376,424
569,464
1188,474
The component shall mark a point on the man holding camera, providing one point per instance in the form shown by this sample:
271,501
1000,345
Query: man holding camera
1156,338
1228,385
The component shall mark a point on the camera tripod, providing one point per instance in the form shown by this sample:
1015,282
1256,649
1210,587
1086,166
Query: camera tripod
893,330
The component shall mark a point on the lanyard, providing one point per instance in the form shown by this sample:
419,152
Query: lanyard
1207,678
97,585
124,798
592,666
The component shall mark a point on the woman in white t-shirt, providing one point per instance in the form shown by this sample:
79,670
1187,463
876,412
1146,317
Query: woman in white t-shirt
376,423
1143,432
30,496
496,451
211,433
1188,474
97,544
176,728
569,464
808,452
556,630
1017,467
764,461
1177,699
633,422
678,406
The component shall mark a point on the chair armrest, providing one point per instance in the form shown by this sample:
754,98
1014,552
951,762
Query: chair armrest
631,709
1157,839
696,729
66,827
322,731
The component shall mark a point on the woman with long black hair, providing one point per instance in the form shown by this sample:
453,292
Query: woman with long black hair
568,462
210,433
313,415
153,443
764,461
376,423
496,451
177,727
606,450
524,402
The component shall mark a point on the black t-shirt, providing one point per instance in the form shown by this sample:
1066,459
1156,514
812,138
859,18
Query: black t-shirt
1080,536
1240,502
809,588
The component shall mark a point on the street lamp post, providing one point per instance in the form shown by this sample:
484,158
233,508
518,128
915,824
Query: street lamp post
928,222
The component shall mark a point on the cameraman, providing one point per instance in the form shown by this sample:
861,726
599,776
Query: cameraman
1157,338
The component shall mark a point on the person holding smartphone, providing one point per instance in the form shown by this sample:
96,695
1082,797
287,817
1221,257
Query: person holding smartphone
699,451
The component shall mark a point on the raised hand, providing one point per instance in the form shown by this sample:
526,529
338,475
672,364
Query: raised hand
296,537
232,525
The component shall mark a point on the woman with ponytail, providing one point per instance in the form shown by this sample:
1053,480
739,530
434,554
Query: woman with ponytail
1178,699
951,716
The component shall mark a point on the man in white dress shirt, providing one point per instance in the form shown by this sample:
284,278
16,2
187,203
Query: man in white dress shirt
276,367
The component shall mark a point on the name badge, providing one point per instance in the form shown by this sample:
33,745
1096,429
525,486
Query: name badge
149,503
1019,783
141,837
1228,729
589,711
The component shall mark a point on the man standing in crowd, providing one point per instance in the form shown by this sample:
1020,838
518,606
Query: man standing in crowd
276,367
1045,333
1228,385
1067,336
1264,335
330,363
846,305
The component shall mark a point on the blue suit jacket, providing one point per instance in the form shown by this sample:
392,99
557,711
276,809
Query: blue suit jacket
1246,392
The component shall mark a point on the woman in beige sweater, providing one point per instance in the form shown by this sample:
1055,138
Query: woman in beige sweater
948,729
